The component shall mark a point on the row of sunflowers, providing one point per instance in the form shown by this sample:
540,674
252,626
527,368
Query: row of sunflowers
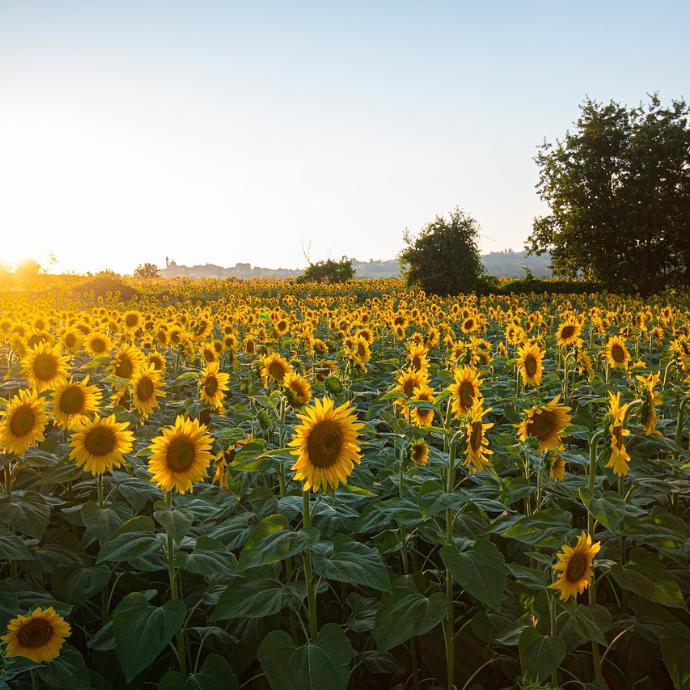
267,485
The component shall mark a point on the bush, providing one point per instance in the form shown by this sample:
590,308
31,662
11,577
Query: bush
328,272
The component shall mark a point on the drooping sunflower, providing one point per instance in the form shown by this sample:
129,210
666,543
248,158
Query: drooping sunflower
418,357
360,351
74,402
575,565
45,367
297,389
275,368
326,444
619,458
465,390
38,636
617,353
556,465
126,360
225,458
99,445
147,387
418,452
530,364
650,401
568,332
22,423
213,385
546,423
477,447
181,455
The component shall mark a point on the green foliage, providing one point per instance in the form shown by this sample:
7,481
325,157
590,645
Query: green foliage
328,272
443,259
147,270
618,188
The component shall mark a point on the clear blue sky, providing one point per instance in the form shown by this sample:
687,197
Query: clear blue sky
225,132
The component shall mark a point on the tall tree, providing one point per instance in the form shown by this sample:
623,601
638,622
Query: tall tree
618,188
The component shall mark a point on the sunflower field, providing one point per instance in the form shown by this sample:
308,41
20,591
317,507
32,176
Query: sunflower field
272,486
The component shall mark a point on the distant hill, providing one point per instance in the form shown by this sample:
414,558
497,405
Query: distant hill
505,264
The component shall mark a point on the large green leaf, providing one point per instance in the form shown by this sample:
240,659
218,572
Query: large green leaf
211,559
28,513
77,584
321,663
271,541
540,655
102,523
351,561
68,671
215,673
134,539
12,547
250,599
406,613
142,631
675,651
480,571
176,521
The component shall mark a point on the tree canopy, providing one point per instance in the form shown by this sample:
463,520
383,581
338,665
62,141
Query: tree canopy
443,258
328,272
618,189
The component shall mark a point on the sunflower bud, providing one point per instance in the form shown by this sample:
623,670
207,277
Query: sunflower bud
333,385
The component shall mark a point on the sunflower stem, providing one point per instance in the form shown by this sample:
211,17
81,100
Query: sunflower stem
308,575
552,619
99,489
34,679
8,479
680,421
181,652
450,615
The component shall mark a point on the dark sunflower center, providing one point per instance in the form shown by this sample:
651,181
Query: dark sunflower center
408,387
577,567
124,368
618,436
417,362
22,421
211,386
466,394
100,441
276,371
98,345
35,633
70,340
324,443
45,366
72,400
131,320
209,355
567,332
418,453
469,324
476,436
531,365
361,350
181,454
617,353
543,425
282,326
145,388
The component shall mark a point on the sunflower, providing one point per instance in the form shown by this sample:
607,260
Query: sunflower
418,357
568,332
556,465
22,423
529,364
180,456
619,458
71,340
617,354
213,385
360,351
126,361
650,400
131,320
98,445
146,389
477,449
98,344
297,389
325,444
74,402
575,566
546,423
275,368
418,415
38,636
225,458
45,367
157,359
418,452
465,390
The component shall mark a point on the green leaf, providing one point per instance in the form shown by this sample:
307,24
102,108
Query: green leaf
352,562
271,541
28,514
176,521
540,655
142,631
250,599
77,584
586,624
215,673
546,528
480,571
646,575
322,663
211,558
68,671
103,522
12,547
134,539
406,613
675,651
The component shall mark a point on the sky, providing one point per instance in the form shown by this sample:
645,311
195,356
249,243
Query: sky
264,132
